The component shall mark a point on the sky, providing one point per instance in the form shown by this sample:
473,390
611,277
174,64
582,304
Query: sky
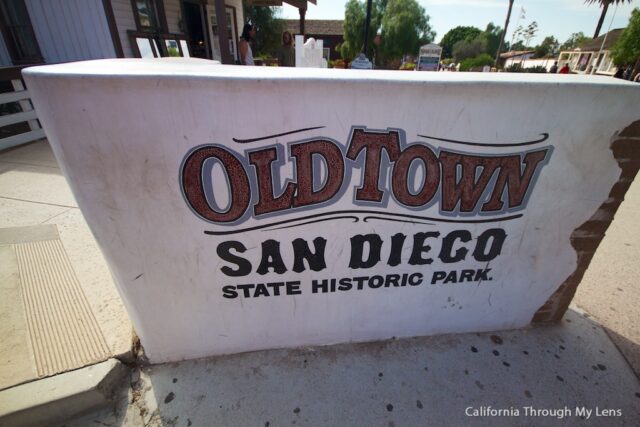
558,18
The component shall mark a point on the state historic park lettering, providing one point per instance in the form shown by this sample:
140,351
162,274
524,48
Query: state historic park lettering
401,179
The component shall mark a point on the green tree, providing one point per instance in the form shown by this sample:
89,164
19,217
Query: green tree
627,47
574,40
492,35
270,27
486,42
405,27
548,47
466,49
353,27
605,6
456,35
519,46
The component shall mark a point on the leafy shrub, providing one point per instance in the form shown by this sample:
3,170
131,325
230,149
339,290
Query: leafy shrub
536,69
408,66
476,62
517,68
514,68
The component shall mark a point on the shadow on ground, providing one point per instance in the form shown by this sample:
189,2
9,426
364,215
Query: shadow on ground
442,380
630,350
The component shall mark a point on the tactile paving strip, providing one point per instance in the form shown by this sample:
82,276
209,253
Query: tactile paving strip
64,333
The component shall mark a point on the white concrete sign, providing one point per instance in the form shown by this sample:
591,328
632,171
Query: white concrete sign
309,53
245,208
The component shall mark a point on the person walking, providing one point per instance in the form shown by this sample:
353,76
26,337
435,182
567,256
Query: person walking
286,52
246,54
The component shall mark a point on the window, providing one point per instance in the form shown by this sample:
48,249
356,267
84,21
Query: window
18,33
147,45
149,15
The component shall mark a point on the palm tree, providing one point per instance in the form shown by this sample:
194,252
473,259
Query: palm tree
605,6
504,32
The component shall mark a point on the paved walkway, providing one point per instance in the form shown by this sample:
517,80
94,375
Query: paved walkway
59,309
610,289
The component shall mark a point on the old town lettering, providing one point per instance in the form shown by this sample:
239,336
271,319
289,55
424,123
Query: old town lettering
461,183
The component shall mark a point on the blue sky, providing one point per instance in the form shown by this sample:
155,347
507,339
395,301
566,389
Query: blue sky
559,18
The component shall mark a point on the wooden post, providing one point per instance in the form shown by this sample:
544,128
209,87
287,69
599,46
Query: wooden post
223,32
303,12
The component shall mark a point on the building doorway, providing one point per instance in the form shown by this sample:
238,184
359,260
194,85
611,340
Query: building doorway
194,23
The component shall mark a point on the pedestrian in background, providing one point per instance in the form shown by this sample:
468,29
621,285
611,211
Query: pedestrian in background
246,54
286,52
565,69
554,68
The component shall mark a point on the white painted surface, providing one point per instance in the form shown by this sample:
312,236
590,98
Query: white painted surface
530,63
173,12
121,148
237,4
71,30
123,14
309,53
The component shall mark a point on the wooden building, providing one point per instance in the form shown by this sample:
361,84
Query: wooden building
330,31
53,31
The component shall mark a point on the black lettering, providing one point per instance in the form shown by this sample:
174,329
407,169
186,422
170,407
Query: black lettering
419,248
302,252
357,248
224,252
276,287
395,257
293,288
360,282
246,289
438,275
271,258
229,292
415,279
392,280
497,237
447,246
344,284
482,275
261,290
376,281
467,275
451,277
322,286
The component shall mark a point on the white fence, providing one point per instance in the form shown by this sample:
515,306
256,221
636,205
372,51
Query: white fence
26,113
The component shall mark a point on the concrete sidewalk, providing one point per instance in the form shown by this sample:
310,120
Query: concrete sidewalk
59,310
571,373
584,362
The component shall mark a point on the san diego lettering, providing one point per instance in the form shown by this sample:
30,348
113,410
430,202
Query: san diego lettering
365,253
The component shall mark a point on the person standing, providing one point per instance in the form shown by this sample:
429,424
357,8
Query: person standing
286,52
246,54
